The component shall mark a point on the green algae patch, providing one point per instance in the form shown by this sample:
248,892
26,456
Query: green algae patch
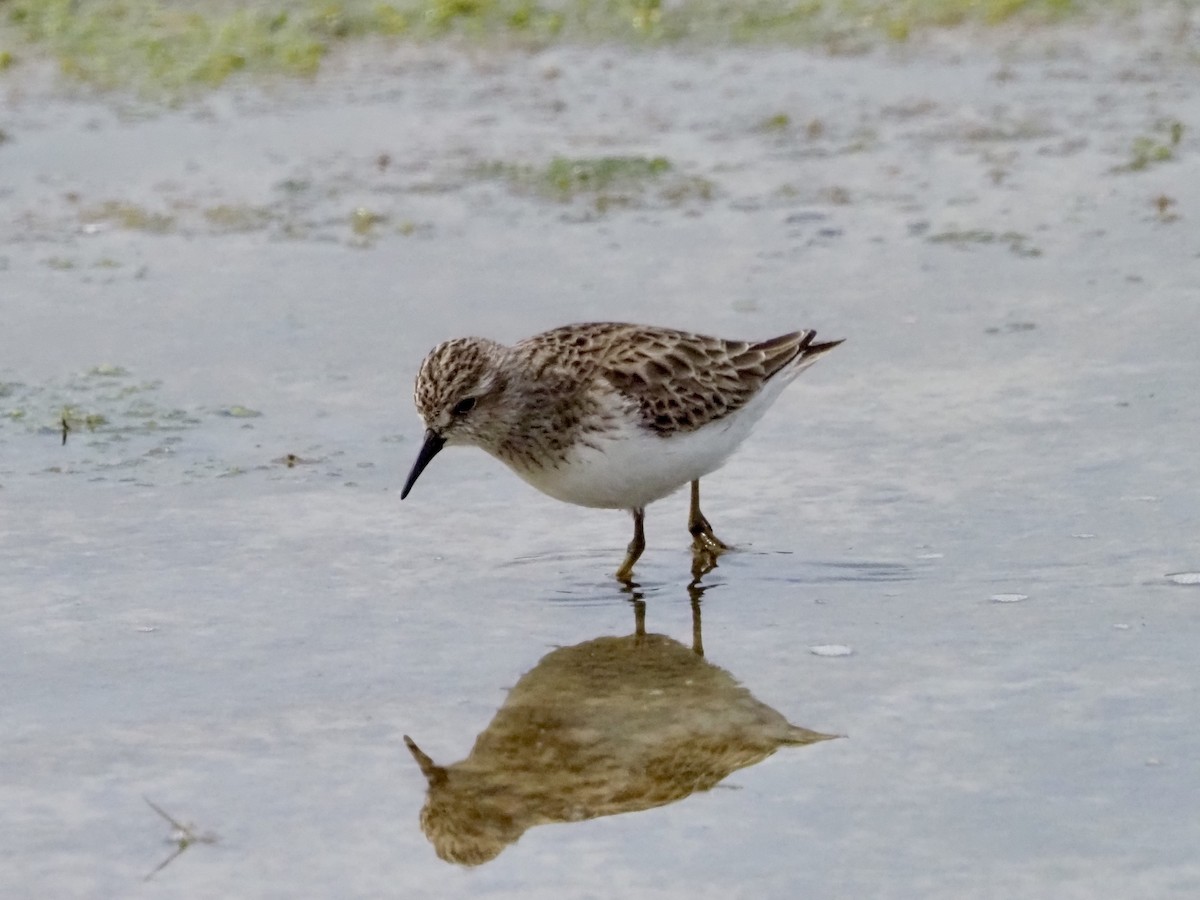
166,48
74,419
1150,149
239,412
231,218
160,46
777,122
901,21
363,221
107,370
566,178
104,404
129,216
480,18
604,182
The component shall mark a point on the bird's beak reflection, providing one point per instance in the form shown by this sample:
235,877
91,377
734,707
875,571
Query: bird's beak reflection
433,443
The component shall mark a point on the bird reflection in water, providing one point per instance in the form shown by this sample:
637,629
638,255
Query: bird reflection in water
612,725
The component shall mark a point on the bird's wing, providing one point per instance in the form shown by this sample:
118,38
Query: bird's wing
682,381
678,381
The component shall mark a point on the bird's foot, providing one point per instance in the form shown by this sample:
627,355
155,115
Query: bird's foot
703,539
625,573
706,547
707,542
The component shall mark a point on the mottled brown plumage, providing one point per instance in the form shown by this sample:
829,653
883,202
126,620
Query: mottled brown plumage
679,381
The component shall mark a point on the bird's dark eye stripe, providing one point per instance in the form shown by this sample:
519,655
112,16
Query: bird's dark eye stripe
464,406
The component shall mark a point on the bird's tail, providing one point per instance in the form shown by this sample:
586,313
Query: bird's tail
795,352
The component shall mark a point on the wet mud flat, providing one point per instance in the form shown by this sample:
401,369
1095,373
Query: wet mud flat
967,539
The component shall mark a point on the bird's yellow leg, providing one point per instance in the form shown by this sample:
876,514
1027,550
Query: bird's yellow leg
636,546
704,543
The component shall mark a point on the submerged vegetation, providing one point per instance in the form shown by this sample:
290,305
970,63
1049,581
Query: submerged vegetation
605,182
1016,242
160,45
1158,147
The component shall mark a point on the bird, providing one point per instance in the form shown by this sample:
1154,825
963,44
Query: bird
607,415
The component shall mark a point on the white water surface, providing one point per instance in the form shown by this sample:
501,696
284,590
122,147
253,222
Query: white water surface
186,618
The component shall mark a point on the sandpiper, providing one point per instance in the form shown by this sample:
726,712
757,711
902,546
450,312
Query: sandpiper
606,414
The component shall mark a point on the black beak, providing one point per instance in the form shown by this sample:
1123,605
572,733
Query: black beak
433,443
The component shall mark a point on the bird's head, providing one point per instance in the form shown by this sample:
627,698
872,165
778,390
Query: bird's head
459,393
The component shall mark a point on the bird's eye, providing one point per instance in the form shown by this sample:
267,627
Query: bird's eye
464,406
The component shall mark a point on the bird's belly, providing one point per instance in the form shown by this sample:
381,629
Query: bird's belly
634,467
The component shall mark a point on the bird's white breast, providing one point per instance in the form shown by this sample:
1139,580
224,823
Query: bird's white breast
632,467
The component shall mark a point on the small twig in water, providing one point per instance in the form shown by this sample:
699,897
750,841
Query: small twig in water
182,836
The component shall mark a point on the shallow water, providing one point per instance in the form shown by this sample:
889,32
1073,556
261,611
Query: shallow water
189,619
